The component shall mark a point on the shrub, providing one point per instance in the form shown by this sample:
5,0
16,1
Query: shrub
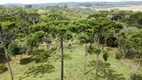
42,57
13,49
118,55
105,56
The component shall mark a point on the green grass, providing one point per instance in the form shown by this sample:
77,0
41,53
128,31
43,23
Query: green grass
74,62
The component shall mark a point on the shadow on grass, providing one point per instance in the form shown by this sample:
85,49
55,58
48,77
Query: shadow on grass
66,56
3,59
137,77
38,70
130,55
25,61
3,68
105,72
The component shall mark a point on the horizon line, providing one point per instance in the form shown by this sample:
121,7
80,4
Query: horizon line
67,2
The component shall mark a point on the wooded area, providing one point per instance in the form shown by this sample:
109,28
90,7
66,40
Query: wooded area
63,43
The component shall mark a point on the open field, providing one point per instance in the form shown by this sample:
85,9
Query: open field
30,70
133,8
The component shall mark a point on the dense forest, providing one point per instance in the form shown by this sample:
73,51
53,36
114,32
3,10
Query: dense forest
63,43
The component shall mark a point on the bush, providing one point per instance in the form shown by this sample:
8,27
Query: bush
13,49
118,55
105,56
68,35
84,38
42,57
22,49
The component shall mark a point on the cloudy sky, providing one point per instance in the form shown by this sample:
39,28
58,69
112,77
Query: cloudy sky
55,1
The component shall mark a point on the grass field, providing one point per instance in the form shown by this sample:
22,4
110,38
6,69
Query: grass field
28,69
133,8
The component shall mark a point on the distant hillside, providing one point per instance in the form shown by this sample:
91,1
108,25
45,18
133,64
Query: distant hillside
85,4
14,4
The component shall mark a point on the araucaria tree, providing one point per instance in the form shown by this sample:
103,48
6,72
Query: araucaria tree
97,51
64,34
60,28
7,35
85,39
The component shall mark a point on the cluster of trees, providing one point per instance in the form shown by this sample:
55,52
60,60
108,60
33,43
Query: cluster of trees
23,30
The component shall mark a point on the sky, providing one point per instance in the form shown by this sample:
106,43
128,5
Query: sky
54,1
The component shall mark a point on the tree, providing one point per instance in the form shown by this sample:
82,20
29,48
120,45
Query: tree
135,19
104,31
7,34
22,50
124,40
59,25
84,39
82,26
136,42
124,43
32,39
100,29
33,18
97,51
62,29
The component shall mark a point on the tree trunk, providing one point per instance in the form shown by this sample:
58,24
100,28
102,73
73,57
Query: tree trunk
103,47
105,65
131,77
9,66
95,39
139,64
125,53
139,61
134,67
33,21
15,59
85,59
106,41
105,69
98,42
122,51
97,61
46,43
133,71
62,59
21,56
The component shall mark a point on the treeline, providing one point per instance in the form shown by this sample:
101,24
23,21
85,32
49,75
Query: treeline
22,31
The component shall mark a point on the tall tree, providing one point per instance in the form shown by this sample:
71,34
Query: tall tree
85,39
7,34
97,51
63,34
58,27
136,42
